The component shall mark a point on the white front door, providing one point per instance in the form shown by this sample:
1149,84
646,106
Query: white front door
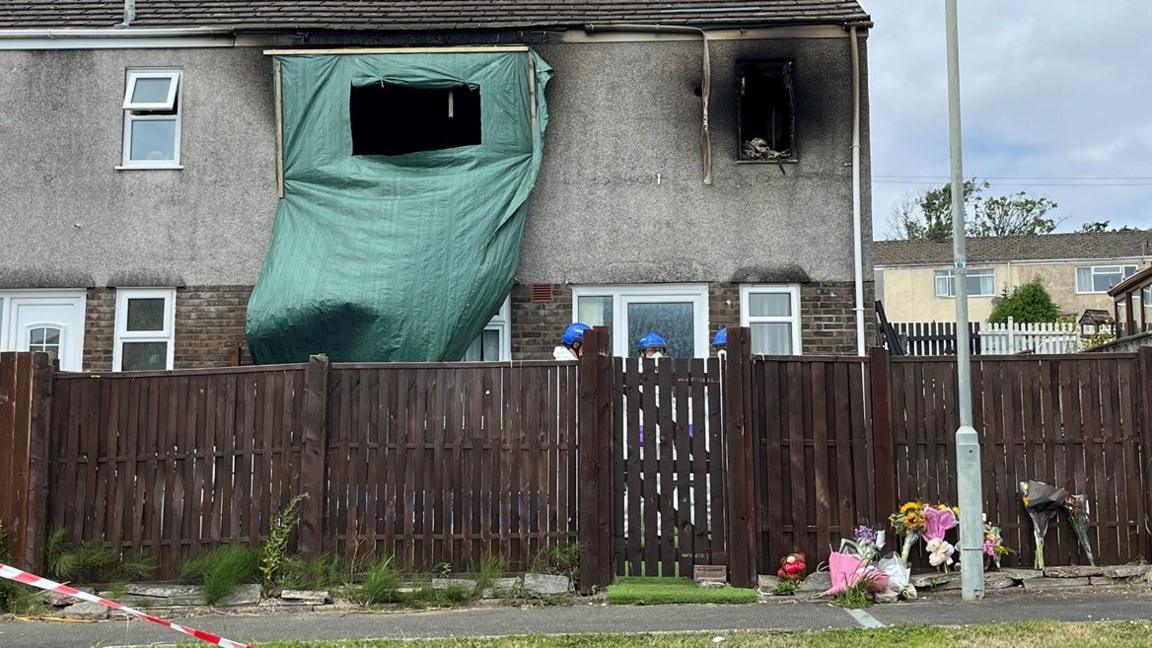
48,321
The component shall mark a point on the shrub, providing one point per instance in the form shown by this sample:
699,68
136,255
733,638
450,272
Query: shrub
222,570
381,584
1027,303
274,559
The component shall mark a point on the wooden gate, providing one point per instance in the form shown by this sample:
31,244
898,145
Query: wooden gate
669,477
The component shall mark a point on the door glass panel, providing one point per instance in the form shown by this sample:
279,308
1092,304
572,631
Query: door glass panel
672,320
595,311
772,338
144,356
45,339
146,314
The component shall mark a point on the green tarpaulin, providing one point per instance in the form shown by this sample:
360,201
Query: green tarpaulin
399,257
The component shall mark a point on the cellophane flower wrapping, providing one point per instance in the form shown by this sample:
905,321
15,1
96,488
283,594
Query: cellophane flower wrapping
994,547
1042,501
868,543
1078,511
846,570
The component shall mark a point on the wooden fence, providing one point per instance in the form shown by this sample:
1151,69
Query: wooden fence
435,464
652,467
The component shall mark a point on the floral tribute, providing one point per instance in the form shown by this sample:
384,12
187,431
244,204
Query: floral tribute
1043,502
908,523
994,547
1076,506
937,521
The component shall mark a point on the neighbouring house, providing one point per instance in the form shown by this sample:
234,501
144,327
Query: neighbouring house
1132,311
141,150
915,282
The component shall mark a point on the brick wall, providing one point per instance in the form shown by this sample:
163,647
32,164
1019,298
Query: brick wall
99,329
209,326
536,328
828,322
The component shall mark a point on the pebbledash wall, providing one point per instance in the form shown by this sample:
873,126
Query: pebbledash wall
619,200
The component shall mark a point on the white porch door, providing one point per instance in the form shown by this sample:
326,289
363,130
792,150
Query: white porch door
52,322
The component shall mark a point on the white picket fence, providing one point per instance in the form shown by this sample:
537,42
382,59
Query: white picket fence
1018,337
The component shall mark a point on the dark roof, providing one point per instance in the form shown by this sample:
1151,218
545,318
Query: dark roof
1101,245
423,14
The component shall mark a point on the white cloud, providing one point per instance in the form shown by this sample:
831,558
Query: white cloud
1053,94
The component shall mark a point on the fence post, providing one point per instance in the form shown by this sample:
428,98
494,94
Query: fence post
882,453
1143,397
313,456
594,489
25,406
740,450
1011,336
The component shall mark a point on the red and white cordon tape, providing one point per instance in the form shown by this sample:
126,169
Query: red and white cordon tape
13,574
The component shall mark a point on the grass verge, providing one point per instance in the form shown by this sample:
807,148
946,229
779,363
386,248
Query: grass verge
1044,634
644,590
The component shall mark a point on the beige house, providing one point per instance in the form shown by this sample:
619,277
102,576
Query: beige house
914,279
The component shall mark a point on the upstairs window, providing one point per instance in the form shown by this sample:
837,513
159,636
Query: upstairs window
981,282
767,111
390,119
152,120
1098,279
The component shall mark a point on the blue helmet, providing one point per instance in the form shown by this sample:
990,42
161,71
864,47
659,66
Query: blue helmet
652,341
721,337
574,333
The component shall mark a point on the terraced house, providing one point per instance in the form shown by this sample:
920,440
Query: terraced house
196,183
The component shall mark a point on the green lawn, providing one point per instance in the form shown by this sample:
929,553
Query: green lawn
646,590
1012,635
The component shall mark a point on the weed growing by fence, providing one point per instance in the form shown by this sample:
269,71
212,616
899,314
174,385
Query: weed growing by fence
489,573
854,596
274,559
222,570
381,584
93,563
785,588
322,572
560,560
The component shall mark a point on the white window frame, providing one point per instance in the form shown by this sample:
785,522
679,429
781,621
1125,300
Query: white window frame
1124,274
950,275
501,322
173,77
624,294
168,334
792,290
131,110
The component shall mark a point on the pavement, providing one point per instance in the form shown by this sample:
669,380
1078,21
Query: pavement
773,616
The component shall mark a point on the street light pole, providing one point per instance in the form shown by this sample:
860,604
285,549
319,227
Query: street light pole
967,441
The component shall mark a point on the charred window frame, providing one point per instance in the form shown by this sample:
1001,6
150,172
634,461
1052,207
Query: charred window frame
393,119
767,111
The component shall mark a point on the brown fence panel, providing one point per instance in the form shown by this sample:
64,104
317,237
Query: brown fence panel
25,405
450,464
669,465
814,445
1070,420
172,463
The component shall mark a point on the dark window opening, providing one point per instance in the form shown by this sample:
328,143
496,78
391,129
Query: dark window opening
767,115
389,119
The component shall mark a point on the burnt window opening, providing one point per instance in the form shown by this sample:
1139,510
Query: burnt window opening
767,111
390,119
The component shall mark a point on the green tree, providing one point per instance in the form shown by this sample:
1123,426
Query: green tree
929,215
1096,227
1027,303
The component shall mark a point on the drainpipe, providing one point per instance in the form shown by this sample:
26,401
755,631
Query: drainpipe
857,228
705,83
129,13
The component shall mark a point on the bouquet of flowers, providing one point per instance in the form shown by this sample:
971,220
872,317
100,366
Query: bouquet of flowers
1043,502
847,571
994,544
908,523
867,542
1077,508
937,521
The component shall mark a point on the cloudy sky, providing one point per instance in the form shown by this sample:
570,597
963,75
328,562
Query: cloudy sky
1056,101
